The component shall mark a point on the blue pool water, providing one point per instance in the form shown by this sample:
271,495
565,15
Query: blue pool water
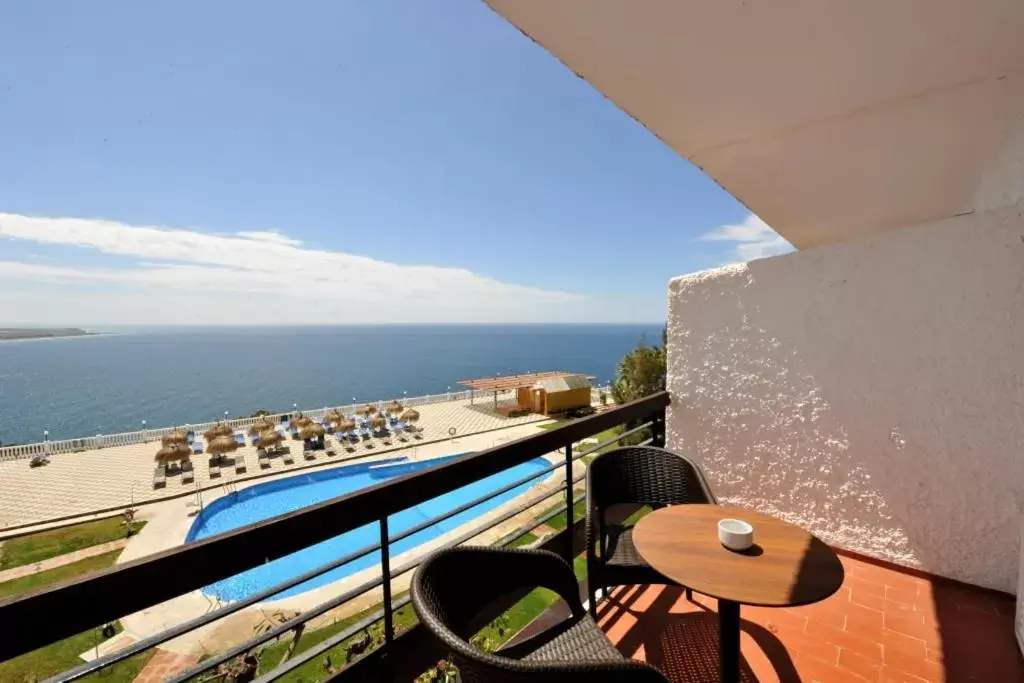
262,501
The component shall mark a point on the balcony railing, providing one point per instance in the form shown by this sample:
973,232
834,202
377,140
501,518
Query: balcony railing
77,605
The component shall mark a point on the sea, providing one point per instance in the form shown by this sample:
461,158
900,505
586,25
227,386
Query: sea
111,382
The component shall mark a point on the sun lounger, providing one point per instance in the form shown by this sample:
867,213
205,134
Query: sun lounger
309,454
240,439
287,458
197,448
187,472
214,469
349,448
263,459
159,478
239,465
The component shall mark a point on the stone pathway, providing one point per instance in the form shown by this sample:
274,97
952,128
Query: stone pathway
163,665
61,560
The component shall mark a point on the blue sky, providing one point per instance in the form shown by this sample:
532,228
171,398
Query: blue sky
230,162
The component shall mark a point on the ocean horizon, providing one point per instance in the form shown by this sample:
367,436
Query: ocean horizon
173,375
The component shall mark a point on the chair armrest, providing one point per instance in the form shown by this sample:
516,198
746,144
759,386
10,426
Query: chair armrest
456,584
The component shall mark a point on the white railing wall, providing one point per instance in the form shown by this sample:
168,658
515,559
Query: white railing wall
142,436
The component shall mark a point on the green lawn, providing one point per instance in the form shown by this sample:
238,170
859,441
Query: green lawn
53,542
62,655
607,434
524,540
313,670
33,581
579,510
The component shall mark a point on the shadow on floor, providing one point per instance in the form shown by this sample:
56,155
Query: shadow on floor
684,646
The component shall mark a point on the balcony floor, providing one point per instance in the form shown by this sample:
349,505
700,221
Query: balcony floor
883,626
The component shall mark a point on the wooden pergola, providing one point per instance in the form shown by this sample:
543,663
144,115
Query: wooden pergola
508,382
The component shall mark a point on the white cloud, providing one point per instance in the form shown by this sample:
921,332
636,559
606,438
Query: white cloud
185,276
753,237
270,236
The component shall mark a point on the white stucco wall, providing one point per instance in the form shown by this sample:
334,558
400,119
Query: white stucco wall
871,391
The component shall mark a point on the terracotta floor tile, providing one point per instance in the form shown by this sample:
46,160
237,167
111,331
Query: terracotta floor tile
915,666
866,668
920,633
894,641
864,599
860,585
890,675
864,616
915,626
815,671
870,649
828,613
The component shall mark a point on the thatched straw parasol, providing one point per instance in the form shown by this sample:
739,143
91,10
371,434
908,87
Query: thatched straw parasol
378,422
173,452
222,444
271,437
346,426
334,417
219,429
312,431
300,421
261,425
410,416
366,410
175,437
395,407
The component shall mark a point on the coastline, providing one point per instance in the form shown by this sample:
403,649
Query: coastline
43,335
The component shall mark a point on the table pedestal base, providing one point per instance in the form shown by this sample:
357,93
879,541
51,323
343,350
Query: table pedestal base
729,640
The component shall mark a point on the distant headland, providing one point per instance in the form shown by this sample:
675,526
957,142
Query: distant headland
11,333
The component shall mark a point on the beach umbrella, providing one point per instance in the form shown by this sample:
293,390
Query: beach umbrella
378,422
261,425
367,410
345,426
300,421
173,452
219,429
177,436
222,444
410,416
271,437
312,431
334,417
395,407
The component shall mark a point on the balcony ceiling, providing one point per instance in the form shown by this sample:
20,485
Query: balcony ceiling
828,118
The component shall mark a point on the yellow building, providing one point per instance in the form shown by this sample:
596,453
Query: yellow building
554,395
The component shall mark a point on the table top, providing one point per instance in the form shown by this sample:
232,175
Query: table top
787,566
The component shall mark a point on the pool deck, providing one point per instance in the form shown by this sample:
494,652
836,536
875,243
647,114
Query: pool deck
169,523
101,482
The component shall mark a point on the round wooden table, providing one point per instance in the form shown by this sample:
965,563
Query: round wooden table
787,566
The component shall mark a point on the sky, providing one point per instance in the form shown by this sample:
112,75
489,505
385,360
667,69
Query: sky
330,162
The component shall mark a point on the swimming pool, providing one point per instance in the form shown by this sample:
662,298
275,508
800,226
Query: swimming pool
262,501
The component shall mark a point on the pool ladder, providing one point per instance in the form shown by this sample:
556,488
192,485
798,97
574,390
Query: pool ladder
197,501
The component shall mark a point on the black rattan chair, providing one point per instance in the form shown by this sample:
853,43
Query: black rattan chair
452,587
633,475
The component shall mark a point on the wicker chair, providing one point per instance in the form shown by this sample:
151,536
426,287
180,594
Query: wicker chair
452,587
633,475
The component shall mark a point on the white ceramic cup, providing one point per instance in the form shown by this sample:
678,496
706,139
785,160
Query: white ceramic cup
735,534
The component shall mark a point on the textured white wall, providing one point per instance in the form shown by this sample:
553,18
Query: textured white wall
871,391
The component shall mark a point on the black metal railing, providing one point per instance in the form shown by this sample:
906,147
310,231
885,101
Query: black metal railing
83,603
